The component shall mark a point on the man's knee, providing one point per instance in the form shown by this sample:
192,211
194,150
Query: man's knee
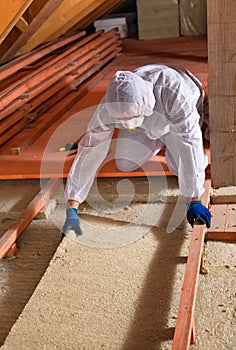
126,165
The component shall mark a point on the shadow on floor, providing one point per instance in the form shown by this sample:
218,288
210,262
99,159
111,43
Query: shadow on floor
150,326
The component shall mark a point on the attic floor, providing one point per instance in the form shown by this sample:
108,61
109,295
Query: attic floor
118,285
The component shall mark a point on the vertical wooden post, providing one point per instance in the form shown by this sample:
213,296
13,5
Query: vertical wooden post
222,90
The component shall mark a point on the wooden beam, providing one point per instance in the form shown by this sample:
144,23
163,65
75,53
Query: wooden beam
22,24
74,15
12,234
222,90
54,113
97,13
223,226
63,14
49,7
45,76
92,11
11,11
184,330
31,80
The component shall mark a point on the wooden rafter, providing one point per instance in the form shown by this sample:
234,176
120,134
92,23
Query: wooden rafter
97,13
27,31
63,14
11,11
88,15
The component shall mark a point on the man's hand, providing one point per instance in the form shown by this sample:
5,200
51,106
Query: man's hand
197,211
72,222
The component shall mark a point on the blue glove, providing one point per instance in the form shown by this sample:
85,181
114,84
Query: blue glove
197,211
72,222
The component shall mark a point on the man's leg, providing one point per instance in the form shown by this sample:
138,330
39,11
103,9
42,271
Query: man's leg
134,148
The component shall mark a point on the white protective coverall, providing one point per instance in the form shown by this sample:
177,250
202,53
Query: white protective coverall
168,102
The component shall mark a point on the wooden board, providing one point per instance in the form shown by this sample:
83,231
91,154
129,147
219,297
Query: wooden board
223,223
184,331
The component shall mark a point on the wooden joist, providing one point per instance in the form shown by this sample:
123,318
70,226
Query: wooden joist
8,240
184,331
223,223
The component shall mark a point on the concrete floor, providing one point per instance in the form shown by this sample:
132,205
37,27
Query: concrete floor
118,285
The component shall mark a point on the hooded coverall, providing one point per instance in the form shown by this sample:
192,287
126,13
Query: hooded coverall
170,100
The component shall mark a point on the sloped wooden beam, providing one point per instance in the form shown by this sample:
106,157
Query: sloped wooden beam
28,31
91,10
97,13
74,15
11,11
64,13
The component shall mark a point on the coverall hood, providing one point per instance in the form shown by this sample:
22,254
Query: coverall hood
128,96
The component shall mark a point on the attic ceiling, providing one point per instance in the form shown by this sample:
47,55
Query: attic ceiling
25,24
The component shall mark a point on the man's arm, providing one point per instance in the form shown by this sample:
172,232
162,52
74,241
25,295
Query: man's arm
92,150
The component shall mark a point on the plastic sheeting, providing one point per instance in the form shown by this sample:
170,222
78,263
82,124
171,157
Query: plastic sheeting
193,17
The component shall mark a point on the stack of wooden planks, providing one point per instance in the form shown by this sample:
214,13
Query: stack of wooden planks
31,85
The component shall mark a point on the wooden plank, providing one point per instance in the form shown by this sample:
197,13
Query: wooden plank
86,70
12,67
222,90
33,74
12,234
49,7
13,97
226,236
57,111
12,11
185,321
84,63
223,226
56,92
47,82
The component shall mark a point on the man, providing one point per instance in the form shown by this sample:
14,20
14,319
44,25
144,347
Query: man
154,106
